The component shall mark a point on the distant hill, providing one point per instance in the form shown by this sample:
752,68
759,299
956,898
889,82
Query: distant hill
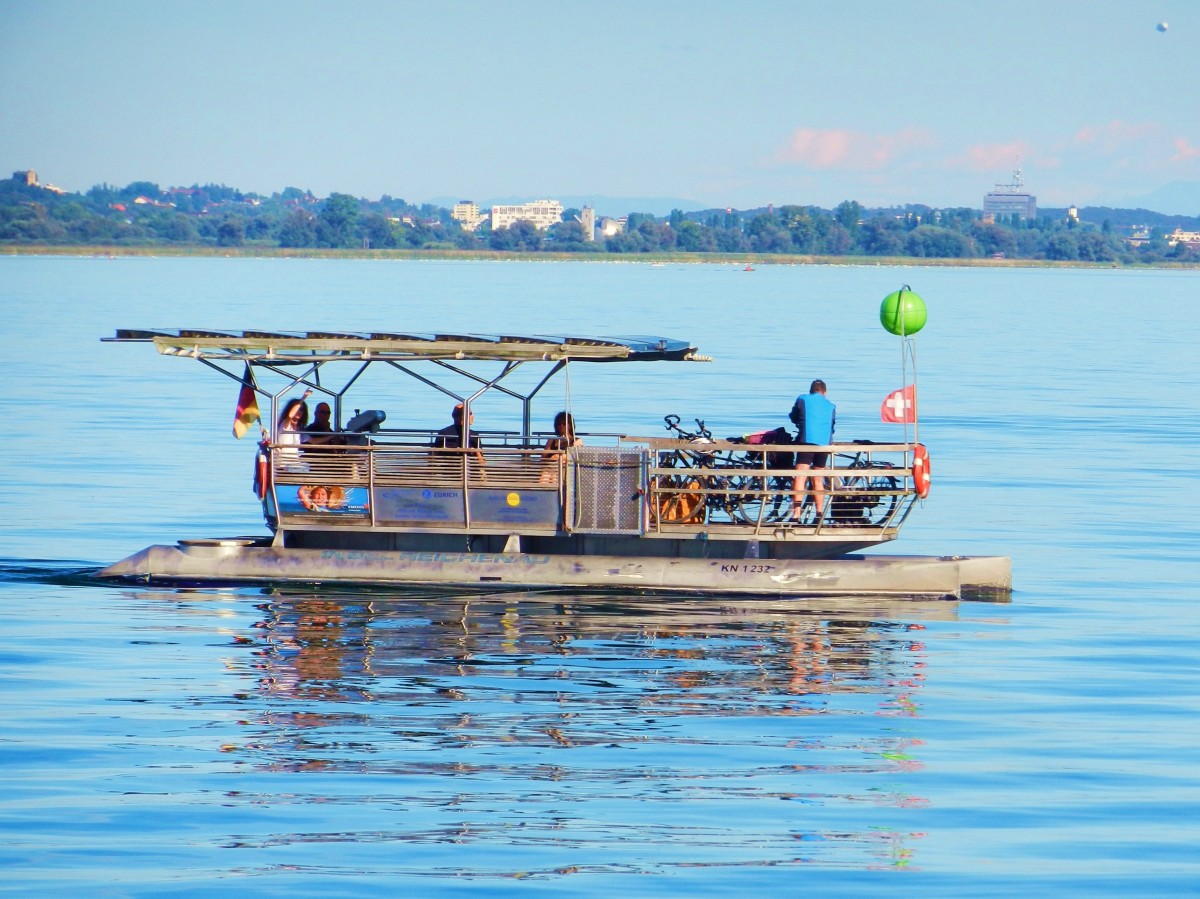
1127,218
1176,198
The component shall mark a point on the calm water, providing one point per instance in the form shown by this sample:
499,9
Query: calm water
173,742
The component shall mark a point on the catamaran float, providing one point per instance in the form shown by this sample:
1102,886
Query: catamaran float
498,510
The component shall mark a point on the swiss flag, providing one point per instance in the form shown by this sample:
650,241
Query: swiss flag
901,405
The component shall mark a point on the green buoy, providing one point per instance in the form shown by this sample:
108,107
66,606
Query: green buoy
903,312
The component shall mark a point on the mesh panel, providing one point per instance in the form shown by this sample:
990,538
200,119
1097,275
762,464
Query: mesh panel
606,493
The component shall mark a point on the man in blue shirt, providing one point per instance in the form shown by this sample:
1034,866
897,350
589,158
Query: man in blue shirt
814,417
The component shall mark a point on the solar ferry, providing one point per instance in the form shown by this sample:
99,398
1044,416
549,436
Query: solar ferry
525,509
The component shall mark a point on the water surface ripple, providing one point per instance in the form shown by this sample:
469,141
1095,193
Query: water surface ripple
319,742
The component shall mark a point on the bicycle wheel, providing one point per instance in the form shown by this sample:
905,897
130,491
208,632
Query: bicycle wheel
720,497
676,503
754,503
864,500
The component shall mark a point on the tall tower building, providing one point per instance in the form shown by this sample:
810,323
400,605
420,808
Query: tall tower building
1010,199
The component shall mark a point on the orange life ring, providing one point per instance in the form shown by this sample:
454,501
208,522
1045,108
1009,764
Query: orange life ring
920,470
262,474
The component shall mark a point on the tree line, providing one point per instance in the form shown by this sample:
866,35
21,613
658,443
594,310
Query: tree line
143,214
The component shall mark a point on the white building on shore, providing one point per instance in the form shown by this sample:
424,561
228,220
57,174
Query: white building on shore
542,213
467,213
1190,239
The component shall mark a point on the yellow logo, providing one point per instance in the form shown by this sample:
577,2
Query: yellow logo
513,499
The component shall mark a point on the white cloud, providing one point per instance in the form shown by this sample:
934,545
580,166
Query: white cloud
835,148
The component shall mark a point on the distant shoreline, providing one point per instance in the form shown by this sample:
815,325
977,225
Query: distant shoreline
542,256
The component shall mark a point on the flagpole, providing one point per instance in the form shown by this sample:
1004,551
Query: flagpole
904,355
912,351
906,352
904,316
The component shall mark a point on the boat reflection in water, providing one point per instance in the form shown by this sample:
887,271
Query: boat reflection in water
584,732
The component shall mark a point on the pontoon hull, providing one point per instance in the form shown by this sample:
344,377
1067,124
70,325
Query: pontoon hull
237,561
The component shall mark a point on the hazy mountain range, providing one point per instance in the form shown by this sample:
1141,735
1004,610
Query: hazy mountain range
1176,198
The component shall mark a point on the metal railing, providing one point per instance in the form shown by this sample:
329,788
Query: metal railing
728,484
727,489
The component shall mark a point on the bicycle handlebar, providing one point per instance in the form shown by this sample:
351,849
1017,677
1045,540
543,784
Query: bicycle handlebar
702,432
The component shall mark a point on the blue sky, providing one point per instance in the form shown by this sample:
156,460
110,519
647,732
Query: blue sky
723,104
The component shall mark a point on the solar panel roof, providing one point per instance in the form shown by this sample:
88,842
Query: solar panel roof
328,345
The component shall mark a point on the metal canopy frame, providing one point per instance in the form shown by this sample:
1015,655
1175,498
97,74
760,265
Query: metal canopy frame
281,352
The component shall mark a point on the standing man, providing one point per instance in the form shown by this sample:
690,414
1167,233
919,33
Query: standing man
814,417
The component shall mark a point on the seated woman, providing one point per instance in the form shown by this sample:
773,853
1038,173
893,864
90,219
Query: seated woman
555,449
289,431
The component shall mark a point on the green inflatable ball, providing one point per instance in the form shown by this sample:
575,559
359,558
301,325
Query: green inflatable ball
903,312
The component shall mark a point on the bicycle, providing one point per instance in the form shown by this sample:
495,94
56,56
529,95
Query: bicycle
764,499
863,499
866,498
691,497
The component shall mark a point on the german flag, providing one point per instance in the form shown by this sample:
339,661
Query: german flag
247,406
